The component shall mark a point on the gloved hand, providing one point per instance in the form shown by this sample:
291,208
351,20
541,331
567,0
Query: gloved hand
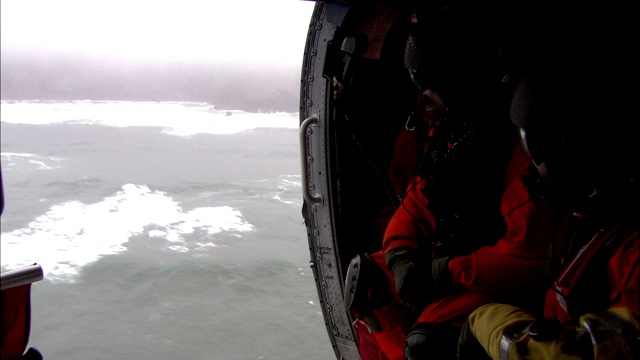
486,326
505,331
412,275
443,282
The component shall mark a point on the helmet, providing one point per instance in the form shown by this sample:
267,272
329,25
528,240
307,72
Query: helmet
427,59
579,146
454,54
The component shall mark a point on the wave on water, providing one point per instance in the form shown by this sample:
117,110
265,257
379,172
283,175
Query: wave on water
289,190
72,234
10,160
175,118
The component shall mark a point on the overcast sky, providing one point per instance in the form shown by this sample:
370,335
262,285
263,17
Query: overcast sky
239,30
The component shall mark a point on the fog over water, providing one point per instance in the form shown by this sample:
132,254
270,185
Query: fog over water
235,55
250,31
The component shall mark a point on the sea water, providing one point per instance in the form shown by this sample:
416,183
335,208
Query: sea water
165,231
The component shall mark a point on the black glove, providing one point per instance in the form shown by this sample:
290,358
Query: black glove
443,282
412,275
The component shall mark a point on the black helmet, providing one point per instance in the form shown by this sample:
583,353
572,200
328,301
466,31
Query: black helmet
576,131
426,59
576,107
456,54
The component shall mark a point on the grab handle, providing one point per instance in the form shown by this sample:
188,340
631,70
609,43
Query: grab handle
313,198
13,278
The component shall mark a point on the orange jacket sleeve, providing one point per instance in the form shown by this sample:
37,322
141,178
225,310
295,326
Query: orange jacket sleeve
512,263
411,222
517,260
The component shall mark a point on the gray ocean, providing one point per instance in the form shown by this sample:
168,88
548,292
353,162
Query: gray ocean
165,231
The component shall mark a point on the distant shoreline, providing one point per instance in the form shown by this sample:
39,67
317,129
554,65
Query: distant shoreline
58,77
216,107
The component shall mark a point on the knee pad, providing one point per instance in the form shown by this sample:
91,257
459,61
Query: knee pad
432,341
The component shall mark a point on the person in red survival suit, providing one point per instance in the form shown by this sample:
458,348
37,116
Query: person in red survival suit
589,168
410,147
411,144
468,232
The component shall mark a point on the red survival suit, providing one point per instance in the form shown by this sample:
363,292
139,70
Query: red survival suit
592,308
494,268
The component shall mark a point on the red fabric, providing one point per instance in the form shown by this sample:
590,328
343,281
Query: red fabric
509,266
368,345
516,261
411,220
396,318
454,308
392,343
397,314
16,321
623,275
383,219
404,161
403,167
395,321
